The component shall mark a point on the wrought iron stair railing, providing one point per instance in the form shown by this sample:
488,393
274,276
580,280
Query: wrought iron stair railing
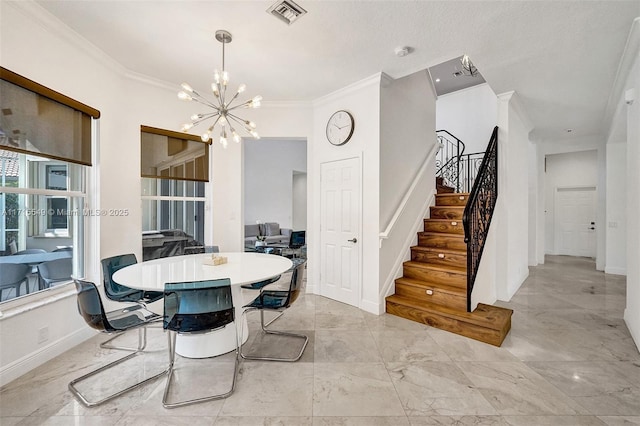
479,211
448,159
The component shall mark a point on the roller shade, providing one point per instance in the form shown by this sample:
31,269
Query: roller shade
40,121
165,154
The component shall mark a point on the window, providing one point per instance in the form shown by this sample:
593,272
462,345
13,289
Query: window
42,209
172,216
46,141
174,168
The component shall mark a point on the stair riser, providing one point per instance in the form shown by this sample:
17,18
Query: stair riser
452,200
473,331
446,213
431,277
442,241
457,260
449,227
451,300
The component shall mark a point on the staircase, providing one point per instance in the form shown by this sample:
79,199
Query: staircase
434,287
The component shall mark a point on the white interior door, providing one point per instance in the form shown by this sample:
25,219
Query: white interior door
340,207
576,221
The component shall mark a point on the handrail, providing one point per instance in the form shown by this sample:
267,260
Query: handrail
479,211
384,235
448,162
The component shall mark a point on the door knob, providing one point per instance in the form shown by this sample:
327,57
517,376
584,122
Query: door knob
353,240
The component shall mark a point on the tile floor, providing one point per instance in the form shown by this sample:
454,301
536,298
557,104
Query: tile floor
569,360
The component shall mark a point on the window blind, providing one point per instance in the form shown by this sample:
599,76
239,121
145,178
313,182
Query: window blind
37,120
165,154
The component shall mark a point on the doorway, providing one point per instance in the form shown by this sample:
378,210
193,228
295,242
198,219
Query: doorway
576,221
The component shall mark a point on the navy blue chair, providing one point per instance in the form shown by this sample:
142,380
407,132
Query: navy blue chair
279,300
118,292
133,317
197,307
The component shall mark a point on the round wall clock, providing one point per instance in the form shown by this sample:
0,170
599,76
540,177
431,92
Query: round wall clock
340,127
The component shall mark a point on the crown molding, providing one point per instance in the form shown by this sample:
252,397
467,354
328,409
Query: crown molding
375,79
287,104
630,54
52,24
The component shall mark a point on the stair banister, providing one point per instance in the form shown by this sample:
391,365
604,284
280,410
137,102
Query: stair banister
451,157
479,211
407,196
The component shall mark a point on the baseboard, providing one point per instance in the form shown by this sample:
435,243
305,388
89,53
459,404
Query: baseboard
521,280
17,368
615,271
372,307
632,319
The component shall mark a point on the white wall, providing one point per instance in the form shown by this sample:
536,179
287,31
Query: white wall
362,100
616,222
533,205
632,312
470,115
268,179
511,218
576,169
407,136
299,201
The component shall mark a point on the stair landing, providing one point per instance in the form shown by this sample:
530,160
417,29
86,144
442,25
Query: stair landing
487,323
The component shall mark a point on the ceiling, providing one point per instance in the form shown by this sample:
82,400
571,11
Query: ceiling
561,57
449,77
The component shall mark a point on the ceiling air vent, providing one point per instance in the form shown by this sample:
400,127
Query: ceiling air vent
287,11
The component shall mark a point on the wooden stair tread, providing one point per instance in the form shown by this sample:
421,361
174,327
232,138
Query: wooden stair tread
441,234
441,287
439,219
465,194
437,250
486,316
434,267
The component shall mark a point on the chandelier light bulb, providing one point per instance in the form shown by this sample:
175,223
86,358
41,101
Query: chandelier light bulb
222,112
184,96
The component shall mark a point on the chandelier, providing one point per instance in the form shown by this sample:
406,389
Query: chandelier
468,68
222,107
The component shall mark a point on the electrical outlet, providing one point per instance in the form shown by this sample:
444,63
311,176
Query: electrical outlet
43,334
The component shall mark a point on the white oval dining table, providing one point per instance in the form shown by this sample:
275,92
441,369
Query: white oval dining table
241,268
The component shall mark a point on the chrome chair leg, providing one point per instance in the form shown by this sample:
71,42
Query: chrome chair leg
277,333
172,356
86,402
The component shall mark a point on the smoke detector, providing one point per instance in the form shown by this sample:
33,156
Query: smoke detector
402,51
287,11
